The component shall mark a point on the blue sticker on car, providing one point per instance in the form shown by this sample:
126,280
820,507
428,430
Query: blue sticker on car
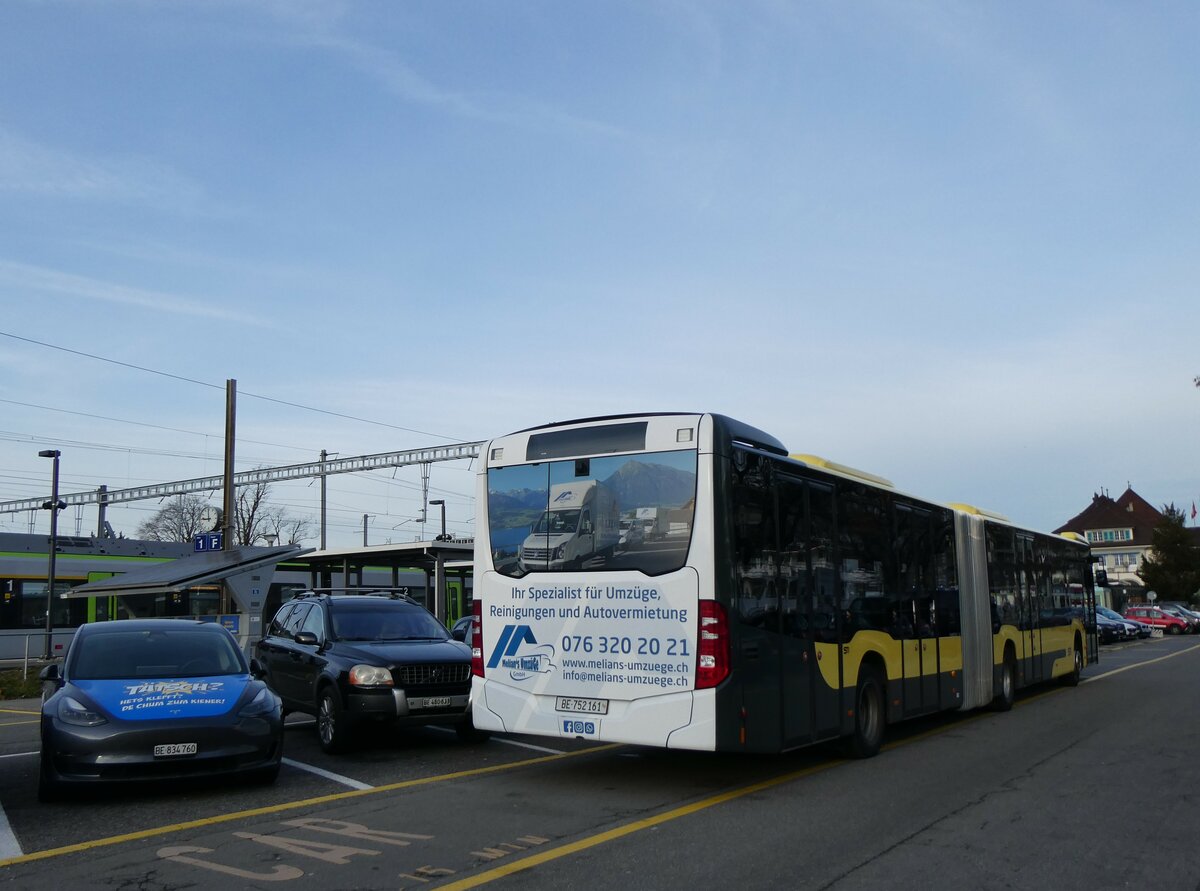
145,700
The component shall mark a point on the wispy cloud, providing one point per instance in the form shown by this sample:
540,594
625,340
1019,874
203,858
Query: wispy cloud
37,278
28,166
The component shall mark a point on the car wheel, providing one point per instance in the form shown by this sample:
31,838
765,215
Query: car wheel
49,788
869,717
1174,629
1007,694
266,776
333,728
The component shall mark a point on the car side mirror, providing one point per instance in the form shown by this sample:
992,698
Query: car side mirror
459,633
50,673
306,638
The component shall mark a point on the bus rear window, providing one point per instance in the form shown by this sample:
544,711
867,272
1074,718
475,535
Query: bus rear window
607,513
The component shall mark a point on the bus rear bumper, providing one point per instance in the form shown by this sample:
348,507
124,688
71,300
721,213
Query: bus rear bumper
671,720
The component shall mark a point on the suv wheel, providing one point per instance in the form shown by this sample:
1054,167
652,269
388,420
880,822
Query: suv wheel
333,726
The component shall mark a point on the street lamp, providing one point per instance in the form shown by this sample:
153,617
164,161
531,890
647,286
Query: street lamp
54,506
442,504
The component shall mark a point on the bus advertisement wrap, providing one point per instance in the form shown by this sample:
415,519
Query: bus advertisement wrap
619,638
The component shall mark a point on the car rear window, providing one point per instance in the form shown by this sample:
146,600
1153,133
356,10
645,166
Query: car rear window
174,653
385,620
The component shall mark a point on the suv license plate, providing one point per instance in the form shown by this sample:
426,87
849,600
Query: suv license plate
174,749
433,702
586,706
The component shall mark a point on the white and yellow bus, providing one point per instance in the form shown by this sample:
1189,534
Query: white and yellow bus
788,600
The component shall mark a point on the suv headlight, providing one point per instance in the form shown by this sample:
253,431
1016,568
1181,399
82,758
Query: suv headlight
370,676
72,711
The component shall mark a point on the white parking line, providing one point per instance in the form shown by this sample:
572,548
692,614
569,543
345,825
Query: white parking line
509,742
9,846
329,775
19,755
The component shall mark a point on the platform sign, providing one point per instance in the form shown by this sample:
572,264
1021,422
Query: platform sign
209,541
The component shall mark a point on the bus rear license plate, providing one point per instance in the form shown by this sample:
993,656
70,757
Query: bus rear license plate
172,749
433,702
586,706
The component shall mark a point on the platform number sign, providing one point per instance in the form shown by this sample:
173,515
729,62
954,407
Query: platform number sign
209,541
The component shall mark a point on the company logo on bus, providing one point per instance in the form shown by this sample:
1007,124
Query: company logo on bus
521,665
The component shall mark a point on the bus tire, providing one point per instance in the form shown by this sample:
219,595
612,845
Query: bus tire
870,715
1007,694
1072,679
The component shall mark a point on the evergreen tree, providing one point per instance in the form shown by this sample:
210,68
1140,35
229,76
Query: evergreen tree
1172,568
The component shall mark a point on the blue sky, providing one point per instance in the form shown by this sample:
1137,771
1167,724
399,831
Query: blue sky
953,244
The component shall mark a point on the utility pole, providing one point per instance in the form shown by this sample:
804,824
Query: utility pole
228,520
54,506
324,454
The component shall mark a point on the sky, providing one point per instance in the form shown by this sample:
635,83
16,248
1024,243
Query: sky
954,244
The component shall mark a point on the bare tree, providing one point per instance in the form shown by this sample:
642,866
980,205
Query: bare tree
256,519
179,520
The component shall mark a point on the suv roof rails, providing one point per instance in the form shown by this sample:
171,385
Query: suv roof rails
400,593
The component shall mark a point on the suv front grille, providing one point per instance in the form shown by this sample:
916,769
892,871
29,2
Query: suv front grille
435,675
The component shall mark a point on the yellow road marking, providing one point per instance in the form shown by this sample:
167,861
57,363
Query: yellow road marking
555,853
583,844
16,723
290,806
630,828
17,711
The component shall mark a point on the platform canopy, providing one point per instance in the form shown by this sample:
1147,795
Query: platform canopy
175,576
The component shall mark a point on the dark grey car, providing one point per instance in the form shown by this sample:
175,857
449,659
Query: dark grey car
155,699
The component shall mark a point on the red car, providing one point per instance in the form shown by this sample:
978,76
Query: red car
1152,615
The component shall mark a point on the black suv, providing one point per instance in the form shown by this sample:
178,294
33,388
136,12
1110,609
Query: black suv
365,656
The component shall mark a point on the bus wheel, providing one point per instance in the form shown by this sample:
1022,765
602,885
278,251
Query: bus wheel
1007,693
1072,679
869,717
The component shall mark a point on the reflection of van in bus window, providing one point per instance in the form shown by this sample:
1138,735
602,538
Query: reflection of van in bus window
580,522
632,532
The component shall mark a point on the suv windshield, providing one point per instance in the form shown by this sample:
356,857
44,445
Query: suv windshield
182,653
383,620
563,515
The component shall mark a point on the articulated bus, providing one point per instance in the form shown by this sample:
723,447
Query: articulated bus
785,601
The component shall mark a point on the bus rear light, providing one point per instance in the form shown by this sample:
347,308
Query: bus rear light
712,651
477,639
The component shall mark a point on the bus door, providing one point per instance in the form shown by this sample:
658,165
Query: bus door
756,640
1031,579
914,615
811,664
797,655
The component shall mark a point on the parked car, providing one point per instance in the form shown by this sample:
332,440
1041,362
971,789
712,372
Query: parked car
1136,629
367,656
155,699
462,628
1110,631
1177,609
1152,615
